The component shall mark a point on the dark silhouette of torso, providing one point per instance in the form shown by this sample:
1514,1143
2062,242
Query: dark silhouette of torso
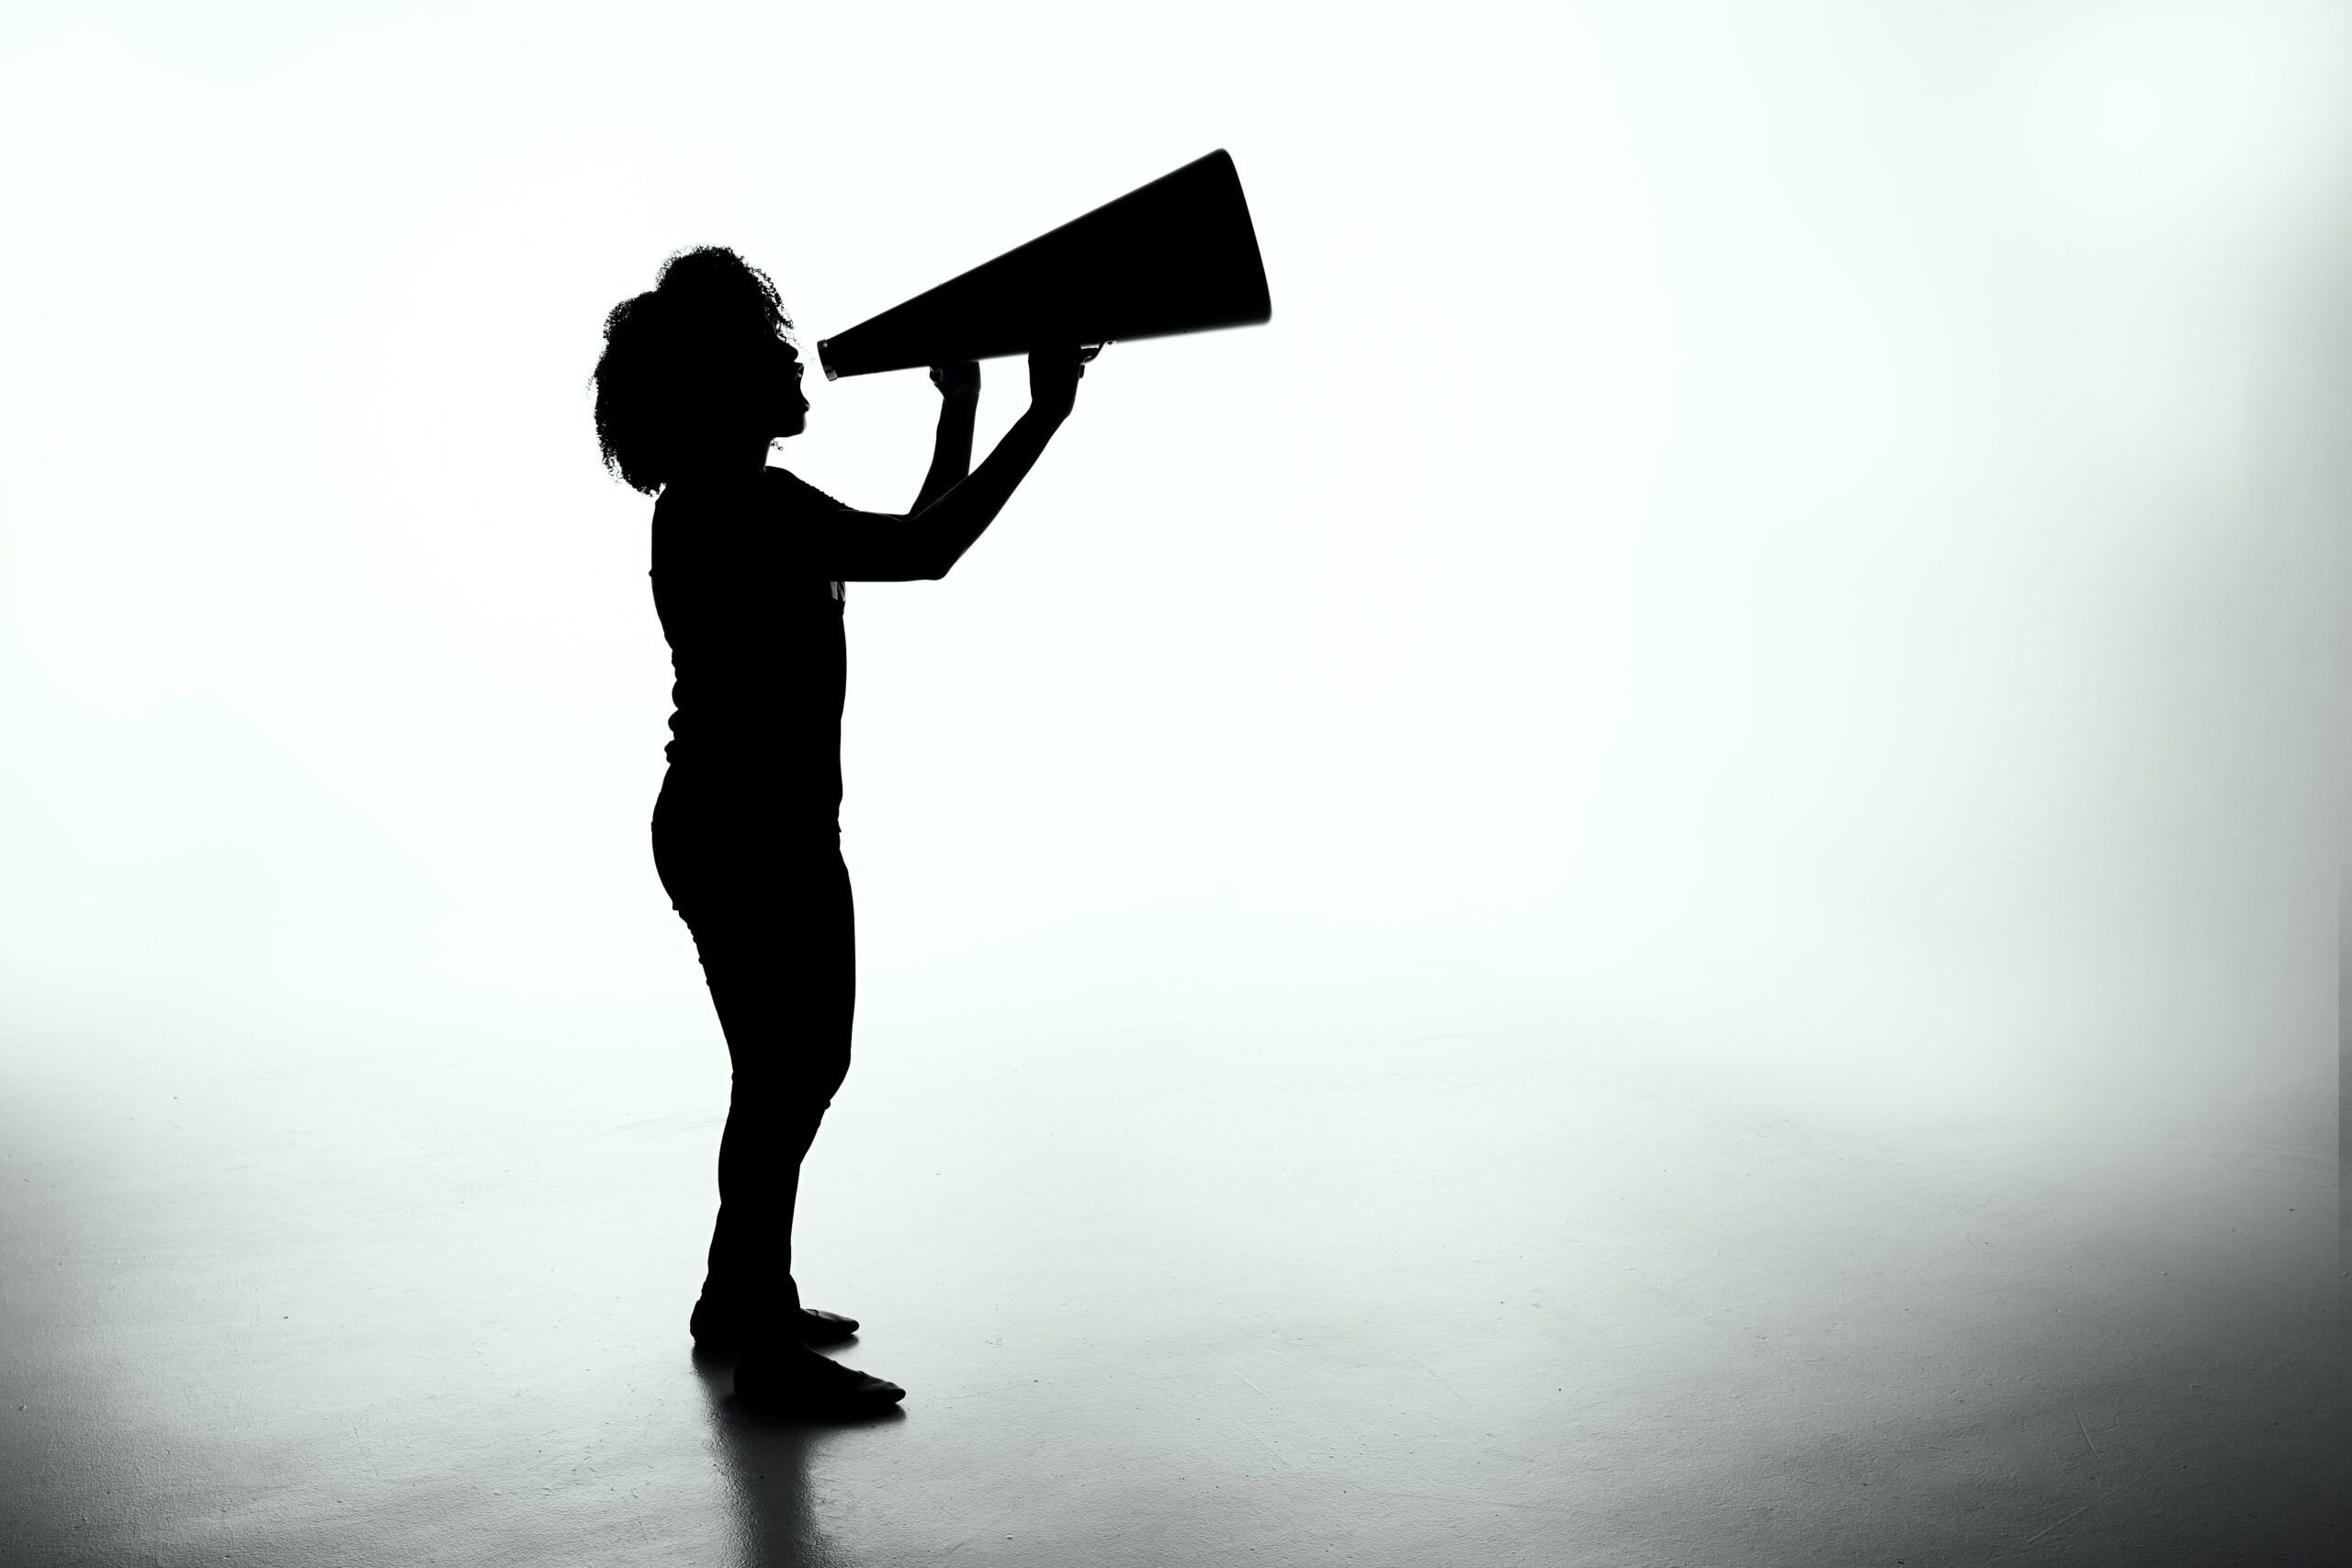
756,645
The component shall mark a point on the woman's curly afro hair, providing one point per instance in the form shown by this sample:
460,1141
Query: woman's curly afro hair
675,359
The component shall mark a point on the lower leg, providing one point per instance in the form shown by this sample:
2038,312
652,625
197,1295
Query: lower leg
759,1184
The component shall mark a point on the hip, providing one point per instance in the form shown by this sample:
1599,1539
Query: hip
724,842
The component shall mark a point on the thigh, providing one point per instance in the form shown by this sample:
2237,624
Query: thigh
776,933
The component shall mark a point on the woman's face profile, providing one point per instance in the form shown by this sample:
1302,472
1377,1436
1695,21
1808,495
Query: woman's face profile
780,375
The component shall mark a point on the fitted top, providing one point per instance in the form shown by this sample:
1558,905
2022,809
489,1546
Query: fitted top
756,648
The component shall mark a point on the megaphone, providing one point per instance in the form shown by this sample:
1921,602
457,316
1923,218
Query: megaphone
1177,255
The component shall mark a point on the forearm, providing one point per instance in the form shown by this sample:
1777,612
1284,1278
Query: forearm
962,513
951,453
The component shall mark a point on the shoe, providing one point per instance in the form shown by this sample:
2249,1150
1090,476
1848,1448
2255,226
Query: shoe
825,1328
792,1379
716,1326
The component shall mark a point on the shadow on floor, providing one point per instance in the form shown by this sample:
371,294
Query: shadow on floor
768,1460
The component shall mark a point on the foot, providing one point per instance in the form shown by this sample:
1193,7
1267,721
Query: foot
817,1328
792,1379
719,1327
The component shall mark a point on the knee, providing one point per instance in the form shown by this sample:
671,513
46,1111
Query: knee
782,1088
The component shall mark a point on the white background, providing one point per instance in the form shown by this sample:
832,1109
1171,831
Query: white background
1805,530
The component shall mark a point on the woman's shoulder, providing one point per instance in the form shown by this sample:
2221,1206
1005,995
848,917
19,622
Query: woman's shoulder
713,523
746,499
701,493
691,520
792,491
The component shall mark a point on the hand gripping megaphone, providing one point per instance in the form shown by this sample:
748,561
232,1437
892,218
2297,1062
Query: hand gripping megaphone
1177,255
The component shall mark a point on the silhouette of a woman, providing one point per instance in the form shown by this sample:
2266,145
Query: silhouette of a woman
697,378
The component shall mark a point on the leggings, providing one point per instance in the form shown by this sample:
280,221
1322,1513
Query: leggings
772,920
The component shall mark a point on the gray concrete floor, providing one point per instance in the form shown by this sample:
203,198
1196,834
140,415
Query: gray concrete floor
1268,1288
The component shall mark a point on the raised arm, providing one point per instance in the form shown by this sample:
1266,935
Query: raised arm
951,453
869,546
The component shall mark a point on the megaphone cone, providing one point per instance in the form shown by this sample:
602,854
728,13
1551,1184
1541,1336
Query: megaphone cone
1177,255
